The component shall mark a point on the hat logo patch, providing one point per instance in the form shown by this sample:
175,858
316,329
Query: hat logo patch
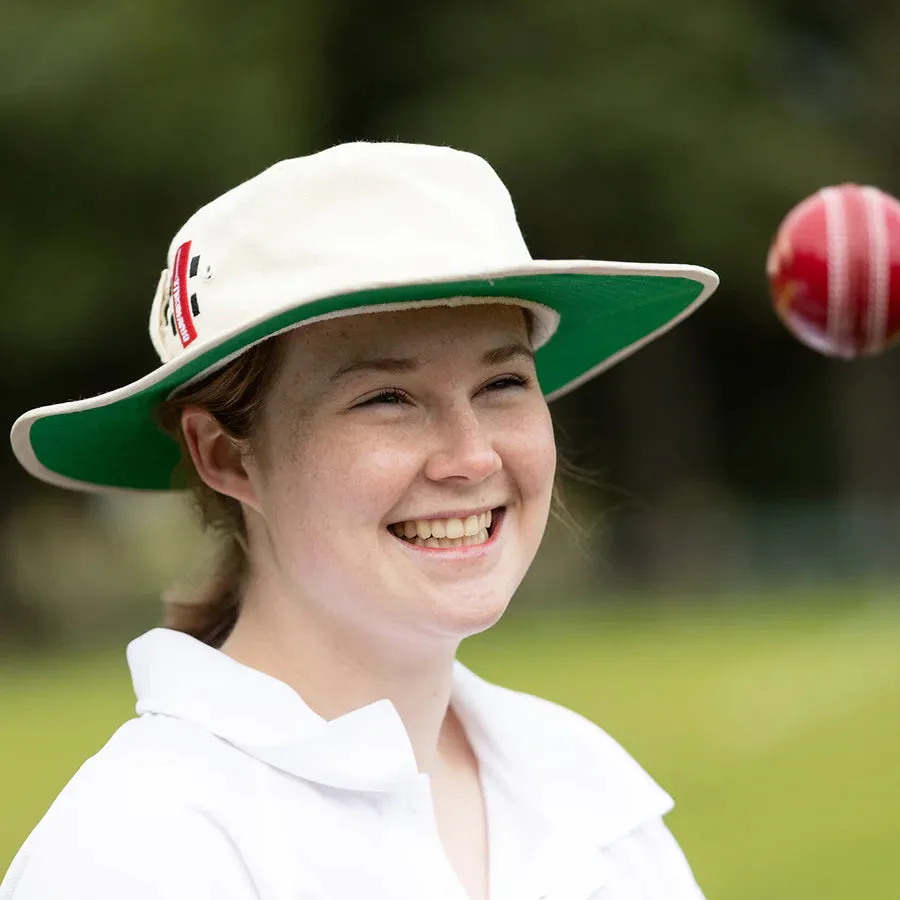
182,305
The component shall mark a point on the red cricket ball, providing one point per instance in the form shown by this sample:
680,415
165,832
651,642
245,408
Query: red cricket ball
834,270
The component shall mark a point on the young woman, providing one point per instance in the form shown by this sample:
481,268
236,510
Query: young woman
357,352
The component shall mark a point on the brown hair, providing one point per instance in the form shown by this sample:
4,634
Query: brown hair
234,395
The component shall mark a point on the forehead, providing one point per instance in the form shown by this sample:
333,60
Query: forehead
415,333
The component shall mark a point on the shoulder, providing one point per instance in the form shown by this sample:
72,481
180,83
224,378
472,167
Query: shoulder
129,824
576,767
166,760
586,788
652,859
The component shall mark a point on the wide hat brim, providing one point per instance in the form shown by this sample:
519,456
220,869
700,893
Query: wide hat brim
607,310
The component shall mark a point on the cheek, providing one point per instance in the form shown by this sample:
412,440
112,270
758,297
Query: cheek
530,452
345,478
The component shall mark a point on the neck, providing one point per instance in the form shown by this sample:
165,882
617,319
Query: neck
336,667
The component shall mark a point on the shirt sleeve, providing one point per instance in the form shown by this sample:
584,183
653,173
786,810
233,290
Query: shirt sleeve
138,849
649,863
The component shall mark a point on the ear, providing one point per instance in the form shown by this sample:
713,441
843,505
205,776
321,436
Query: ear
220,459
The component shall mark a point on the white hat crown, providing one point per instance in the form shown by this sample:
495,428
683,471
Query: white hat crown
355,216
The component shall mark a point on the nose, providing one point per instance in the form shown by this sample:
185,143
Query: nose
463,450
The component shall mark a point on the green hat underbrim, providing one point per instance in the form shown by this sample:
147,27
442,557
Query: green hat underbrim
606,311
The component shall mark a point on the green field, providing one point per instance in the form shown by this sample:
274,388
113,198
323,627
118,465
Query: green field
776,729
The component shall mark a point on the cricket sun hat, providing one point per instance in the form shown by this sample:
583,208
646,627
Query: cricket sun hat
357,228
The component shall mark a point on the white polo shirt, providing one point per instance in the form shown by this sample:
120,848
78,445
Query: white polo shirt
228,787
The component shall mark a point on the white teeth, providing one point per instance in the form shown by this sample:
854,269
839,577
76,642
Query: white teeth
446,532
445,543
455,528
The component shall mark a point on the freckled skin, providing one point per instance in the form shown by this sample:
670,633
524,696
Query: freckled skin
332,470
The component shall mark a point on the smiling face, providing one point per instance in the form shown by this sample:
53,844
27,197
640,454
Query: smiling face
403,470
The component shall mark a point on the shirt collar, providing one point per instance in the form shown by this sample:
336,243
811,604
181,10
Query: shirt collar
176,675
522,739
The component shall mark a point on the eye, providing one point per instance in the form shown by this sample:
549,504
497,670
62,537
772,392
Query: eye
386,397
507,381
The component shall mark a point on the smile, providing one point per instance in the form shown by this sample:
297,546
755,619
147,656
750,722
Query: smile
447,533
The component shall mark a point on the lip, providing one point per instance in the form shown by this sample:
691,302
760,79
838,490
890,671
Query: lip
470,552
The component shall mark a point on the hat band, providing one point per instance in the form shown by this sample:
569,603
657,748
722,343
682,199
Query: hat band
543,324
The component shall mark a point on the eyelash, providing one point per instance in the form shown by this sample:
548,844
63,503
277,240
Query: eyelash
393,396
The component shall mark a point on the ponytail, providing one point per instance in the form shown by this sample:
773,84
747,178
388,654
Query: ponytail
234,395
210,613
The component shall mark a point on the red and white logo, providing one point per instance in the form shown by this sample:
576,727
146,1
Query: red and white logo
183,305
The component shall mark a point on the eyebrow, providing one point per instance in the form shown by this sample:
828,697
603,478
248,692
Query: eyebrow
493,357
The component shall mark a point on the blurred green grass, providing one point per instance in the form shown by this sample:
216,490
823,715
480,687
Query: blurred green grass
775,727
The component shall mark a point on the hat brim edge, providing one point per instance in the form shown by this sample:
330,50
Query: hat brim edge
21,432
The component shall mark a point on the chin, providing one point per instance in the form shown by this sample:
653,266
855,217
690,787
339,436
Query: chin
462,617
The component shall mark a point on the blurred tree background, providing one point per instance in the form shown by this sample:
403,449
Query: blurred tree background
726,461
724,455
